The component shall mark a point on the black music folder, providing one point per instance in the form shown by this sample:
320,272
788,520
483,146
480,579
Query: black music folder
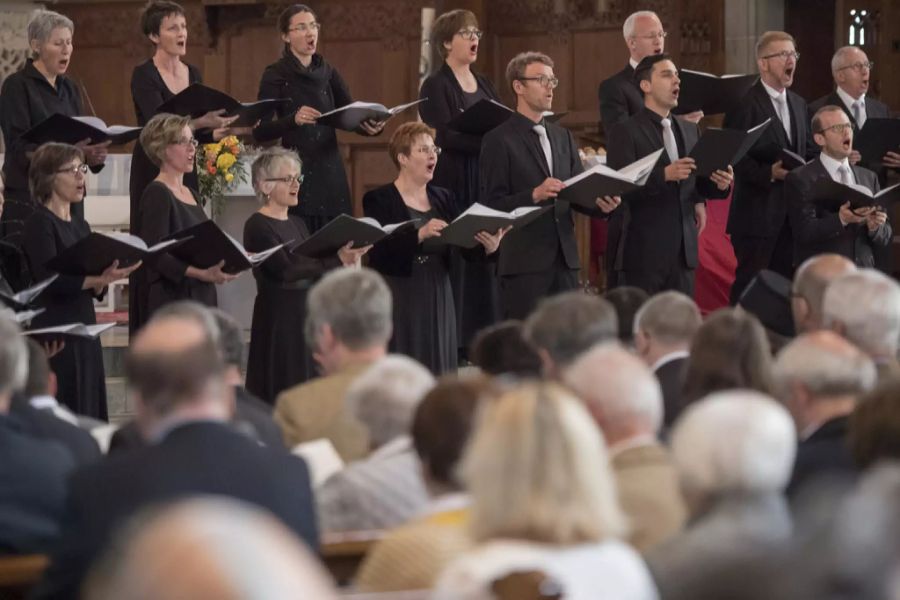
461,232
600,180
877,138
71,130
790,160
350,117
718,148
71,329
481,117
830,194
196,100
23,299
710,93
91,255
343,229
205,244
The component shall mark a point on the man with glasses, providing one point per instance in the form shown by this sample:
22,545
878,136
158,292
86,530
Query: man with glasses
524,162
848,232
757,222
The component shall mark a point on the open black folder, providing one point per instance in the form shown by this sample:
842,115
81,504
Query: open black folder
343,229
877,138
350,117
831,195
461,232
481,117
91,255
600,180
718,148
23,299
790,160
196,100
205,245
71,130
711,94
70,329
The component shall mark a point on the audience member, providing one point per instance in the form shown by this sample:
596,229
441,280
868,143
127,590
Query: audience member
663,330
501,349
819,378
41,385
543,497
348,325
768,298
808,290
874,430
627,300
625,400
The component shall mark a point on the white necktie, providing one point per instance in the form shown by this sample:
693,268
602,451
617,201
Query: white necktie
669,140
844,174
545,146
859,112
783,114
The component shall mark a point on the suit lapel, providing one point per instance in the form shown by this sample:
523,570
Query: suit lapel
531,141
764,103
653,137
799,114
688,134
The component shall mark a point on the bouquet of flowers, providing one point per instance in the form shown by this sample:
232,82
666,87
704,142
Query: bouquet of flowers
221,169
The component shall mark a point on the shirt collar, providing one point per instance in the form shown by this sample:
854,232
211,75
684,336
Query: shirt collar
831,165
667,358
849,100
633,63
772,92
43,402
526,123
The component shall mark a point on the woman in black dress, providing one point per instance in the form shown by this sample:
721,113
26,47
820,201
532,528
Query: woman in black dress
313,86
415,263
278,357
450,90
57,176
168,206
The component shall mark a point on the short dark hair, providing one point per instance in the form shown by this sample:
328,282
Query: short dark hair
515,69
38,370
817,118
627,300
284,19
567,324
644,70
230,342
448,25
44,168
502,349
155,12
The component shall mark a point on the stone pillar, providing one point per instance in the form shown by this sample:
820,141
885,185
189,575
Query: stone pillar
745,20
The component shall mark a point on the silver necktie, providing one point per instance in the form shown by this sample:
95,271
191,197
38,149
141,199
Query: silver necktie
783,114
669,140
545,146
859,114
844,174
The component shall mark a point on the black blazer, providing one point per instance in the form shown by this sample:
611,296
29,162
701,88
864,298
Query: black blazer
512,164
193,459
825,452
658,219
45,425
620,98
817,230
757,207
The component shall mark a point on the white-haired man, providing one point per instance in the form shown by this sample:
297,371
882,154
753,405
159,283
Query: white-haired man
808,288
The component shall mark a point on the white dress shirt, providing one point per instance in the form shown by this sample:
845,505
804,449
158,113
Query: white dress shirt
832,165
848,101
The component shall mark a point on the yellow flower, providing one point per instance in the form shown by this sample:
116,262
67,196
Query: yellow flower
212,148
225,161
229,177
231,140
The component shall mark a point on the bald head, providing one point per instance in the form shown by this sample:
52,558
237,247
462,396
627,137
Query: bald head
810,282
169,334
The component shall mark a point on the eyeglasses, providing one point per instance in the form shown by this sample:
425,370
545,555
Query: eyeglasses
436,150
75,169
288,180
188,142
859,66
470,34
785,54
839,128
304,27
652,36
543,80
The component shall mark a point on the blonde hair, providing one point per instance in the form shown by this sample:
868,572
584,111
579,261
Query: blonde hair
770,37
537,469
160,132
403,138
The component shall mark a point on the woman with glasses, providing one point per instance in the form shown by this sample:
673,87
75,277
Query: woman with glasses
56,178
415,263
453,88
167,206
313,87
278,357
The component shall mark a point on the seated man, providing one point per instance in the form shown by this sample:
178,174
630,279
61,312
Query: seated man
808,288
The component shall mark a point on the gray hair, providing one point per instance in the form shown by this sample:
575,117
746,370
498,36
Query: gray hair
867,304
266,163
825,364
189,309
356,304
670,317
384,398
628,26
619,383
840,55
42,24
734,441
13,355
567,324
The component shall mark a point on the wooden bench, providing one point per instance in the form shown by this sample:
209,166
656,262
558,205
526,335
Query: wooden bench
344,552
18,574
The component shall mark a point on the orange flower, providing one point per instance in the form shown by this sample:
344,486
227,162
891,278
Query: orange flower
212,170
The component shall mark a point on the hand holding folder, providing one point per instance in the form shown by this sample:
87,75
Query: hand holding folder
93,254
600,180
477,218
72,130
877,138
205,245
70,329
718,148
345,229
24,298
197,100
351,116
832,195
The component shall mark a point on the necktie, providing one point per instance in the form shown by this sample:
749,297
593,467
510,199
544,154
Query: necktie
545,146
781,103
844,174
669,140
859,114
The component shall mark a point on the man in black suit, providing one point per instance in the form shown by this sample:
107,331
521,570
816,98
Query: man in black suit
524,162
851,233
176,376
658,247
757,222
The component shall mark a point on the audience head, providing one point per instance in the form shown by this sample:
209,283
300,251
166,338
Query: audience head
207,549
230,342
13,360
384,397
50,40
833,132
620,392
501,349
864,307
776,58
875,425
644,34
413,151
530,75
57,172
731,443
276,175
41,380
164,23
729,351
808,289
348,312
565,325
666,323
299,30
537,469
627,300
851,70
455,36
657,76
169,142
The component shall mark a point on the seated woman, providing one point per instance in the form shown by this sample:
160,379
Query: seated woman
168,206
278,357
57,181
543,498
415,263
